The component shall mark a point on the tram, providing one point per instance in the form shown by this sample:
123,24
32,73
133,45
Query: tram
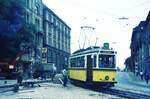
93,66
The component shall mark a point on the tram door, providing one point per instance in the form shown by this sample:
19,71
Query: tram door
89,68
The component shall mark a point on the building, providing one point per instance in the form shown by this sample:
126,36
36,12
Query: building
43,38
140,47
52,35
33,15
56,39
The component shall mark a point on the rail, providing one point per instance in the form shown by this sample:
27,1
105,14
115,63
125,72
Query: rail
125,94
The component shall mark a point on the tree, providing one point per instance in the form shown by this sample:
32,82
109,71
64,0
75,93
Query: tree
129,64
10,46
11,16
14,31
8,50
26,36
8,8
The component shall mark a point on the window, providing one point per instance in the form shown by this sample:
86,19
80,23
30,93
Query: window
37,9
149,49
106,61
38,39
37,22
28,3
142,48
52,19
43,55
77,62
72,62
80,62
27,18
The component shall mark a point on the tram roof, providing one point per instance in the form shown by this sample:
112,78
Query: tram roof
92,49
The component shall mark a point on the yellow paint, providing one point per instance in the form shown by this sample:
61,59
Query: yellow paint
44,55
44,60
99,76
44,50
78,74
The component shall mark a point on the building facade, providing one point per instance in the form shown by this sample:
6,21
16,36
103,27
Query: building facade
52,36
33,15
56,39
140,47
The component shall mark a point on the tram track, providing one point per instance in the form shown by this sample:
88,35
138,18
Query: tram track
117,92
125,94
3,90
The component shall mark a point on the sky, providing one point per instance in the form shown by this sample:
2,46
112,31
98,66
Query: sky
104,16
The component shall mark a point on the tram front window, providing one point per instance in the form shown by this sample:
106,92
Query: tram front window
106,61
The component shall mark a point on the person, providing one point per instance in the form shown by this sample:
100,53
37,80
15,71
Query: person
65,77
54,69
103,64
43,75
20,78
141,74
146,77
136,72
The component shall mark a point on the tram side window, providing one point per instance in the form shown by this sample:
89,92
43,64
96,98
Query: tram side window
80,61
73,62
106,61
77,62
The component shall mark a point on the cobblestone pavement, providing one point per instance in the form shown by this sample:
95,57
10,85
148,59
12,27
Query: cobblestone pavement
56,91
4,83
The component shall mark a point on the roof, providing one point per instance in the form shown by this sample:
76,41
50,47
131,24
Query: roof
93,49
50,11
89,48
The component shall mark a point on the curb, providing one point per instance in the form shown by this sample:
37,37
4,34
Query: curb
7,86
35,82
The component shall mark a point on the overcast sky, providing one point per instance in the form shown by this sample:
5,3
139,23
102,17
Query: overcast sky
104,16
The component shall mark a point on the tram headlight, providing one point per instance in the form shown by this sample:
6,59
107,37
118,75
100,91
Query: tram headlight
106,77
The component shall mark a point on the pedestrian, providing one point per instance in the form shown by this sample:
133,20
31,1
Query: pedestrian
146,77
43,75
141,74
20,76
65,77
136,72
54,69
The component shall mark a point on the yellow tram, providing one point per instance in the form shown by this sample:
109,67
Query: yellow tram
93,66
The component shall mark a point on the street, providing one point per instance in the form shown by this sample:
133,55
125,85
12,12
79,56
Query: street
48,47
55,90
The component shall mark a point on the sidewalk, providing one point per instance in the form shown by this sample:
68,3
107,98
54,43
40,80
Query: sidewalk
7,83
129,82
11,83
137,80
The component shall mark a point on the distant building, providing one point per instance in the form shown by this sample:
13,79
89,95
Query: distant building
56,39
140,47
